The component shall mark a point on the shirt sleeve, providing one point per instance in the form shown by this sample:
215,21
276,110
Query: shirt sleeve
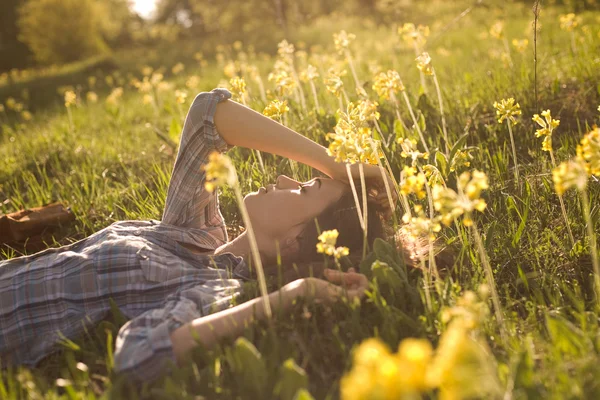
188,204
143,349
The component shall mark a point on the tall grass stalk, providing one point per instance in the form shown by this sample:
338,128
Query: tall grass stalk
514,151
365,209
441,102
593,244
562,204
415,122
397,109
254,250
487,268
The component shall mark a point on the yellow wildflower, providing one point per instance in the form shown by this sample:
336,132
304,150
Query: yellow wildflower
568,22
147,99
326,245
91,97
285,50
418,226
334,83
237,45
309,74
276,109
547,124
462,158
414,35
497,30
414,357
192,82
177,68
413,182
238,87
219,171
230,69
386,83
70,98
147,70
463,366
520,45
26,115
283,81
342,41
10,103
353,145
570,174
114,96
588,151
368,110
452,205
434,176
180,96
507,109
424,63
410,150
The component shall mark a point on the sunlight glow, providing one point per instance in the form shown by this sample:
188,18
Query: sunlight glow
144,8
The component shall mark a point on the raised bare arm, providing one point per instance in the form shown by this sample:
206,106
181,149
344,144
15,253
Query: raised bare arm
242,126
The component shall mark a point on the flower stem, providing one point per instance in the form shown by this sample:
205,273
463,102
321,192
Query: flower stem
444,128
356,202
412,115
490,278
314,92
397,109
365,210
254,250
514,151
592,238
562,205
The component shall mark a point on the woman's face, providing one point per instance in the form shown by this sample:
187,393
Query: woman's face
277,209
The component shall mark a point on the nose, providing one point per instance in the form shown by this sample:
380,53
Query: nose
285,182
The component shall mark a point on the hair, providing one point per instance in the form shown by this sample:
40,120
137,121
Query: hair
343,216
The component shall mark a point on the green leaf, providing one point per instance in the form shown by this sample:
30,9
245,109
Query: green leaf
566,337
292,379
441,163
386,274
399,130
175,130
249,367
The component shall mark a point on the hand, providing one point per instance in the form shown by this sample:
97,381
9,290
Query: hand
341,284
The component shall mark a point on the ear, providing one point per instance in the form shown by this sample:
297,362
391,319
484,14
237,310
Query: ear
290,245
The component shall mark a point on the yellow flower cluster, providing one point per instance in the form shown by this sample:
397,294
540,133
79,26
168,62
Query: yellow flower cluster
414,35
326,245
413,182
462,366
434,176
342,41
238,87
276,109
462,158
386,83
334,83
368,110
70,98
283,81
92,97
410,150
352,145
219,171
424,63
379,374
115,96
310,74
588,151
547,125
568,22
569,174
520,45
452,205
418,226
180,96
497,30
507,109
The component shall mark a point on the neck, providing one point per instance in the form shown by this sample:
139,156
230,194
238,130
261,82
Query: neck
240,246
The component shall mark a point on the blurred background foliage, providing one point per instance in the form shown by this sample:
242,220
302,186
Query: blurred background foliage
49,32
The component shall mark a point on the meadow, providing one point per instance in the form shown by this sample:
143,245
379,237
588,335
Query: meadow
509,306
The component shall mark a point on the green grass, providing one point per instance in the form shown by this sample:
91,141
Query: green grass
111,165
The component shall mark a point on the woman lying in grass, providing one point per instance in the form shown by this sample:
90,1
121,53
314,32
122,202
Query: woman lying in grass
169,275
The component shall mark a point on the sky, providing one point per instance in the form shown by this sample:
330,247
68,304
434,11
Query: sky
143,7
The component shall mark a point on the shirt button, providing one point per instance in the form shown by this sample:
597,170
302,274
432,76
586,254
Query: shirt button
137,232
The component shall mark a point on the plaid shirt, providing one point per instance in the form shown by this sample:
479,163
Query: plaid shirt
143,266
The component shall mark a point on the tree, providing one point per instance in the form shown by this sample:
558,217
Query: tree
13,53
59,31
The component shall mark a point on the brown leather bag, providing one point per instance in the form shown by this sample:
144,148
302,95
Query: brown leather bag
31,224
